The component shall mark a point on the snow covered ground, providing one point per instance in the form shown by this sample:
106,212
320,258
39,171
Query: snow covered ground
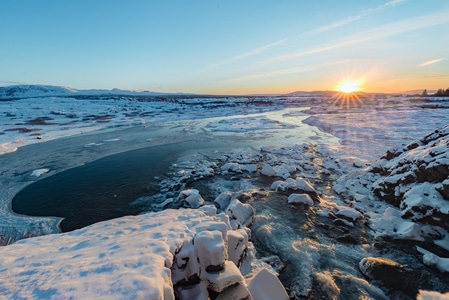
302,148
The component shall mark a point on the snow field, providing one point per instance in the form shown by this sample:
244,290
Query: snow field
151,256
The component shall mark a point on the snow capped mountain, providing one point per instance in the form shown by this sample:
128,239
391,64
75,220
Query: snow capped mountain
38,91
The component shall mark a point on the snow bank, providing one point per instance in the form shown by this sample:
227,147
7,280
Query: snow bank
147,256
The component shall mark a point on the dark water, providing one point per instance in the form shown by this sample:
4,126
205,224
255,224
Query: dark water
103,189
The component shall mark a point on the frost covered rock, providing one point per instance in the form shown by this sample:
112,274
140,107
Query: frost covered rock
415,178
300,199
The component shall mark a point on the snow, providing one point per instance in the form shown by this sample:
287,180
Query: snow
132,257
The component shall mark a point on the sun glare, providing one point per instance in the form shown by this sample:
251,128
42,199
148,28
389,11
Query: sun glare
349,86
348,93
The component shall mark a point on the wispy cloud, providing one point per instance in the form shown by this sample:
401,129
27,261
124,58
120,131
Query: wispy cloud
313,32
285,71
245,55
430,62
380,32
351,19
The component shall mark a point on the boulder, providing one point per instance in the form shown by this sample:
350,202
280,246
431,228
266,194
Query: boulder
394,276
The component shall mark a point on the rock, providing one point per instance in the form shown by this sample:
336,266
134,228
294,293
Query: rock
392,275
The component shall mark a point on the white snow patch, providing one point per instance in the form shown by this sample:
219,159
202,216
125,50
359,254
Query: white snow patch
39,172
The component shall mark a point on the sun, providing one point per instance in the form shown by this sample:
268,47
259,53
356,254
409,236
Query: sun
349,86
348,93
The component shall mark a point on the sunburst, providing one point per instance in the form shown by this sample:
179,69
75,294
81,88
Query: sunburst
348,93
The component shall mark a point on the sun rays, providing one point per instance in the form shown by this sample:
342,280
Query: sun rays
348,92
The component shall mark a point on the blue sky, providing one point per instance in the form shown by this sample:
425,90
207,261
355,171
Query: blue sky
225,47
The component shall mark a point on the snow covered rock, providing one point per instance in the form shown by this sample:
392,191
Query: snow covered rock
267,170
190,199
266,286
241,214
222,201
300,199
415,178
347,213
237,245
290,184
210,249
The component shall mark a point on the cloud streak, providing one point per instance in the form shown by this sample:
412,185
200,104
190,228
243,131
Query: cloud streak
245,55
430,62
378,33
313,32
285,71
351,19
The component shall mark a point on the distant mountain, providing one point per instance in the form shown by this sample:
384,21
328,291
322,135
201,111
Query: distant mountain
37,91
417,92
323,94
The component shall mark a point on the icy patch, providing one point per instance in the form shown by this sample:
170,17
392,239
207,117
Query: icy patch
247,124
